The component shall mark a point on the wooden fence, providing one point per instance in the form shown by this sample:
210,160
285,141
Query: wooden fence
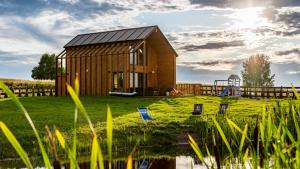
251,92
30,90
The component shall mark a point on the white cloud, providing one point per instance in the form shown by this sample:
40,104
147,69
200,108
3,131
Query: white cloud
53,24
151,5
293,72
70,1
62,25
216,67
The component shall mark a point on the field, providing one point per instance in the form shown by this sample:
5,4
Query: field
173,119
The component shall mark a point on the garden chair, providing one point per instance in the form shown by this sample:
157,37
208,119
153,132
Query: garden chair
198,109
223,108
144,113
144,165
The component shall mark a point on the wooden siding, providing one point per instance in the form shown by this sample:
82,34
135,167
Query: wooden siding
152,68
94,65
166,72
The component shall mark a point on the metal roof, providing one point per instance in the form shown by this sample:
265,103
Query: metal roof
140,33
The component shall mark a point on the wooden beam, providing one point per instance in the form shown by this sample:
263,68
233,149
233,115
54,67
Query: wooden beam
144,68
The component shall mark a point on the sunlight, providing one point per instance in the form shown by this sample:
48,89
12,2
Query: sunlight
251,40
249,18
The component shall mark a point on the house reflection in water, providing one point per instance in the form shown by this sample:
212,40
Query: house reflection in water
180,162
163,163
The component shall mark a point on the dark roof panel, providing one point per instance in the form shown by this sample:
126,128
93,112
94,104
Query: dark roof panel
71,43
117,36
90,39
81,40
136,34
126,35
123,35
107,37
146,33
99,37
111,36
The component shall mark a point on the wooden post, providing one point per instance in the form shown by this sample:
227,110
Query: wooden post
20,94
133,71
56,77
26,90
144,68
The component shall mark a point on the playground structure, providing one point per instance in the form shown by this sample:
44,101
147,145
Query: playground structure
232,88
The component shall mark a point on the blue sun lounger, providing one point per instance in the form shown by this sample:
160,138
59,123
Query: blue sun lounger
144,113
144,165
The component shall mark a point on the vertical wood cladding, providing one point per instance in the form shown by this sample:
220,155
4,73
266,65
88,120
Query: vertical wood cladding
95,66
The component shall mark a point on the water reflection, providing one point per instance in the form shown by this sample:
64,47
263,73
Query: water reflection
178,162
164,163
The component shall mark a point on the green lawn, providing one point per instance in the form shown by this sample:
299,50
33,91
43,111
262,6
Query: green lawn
172,118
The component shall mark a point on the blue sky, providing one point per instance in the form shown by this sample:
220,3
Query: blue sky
212,37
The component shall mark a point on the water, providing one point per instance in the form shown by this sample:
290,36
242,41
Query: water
178,162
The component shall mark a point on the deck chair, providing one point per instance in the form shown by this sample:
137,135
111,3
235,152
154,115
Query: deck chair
198,109
223,108
144,165
144,113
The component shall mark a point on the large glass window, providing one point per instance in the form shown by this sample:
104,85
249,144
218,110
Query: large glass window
138,80
131,80
137,56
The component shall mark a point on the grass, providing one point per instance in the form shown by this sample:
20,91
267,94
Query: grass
274,142
173,119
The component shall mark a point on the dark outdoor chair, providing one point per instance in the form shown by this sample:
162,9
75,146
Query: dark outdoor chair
198,109
155,91
223,108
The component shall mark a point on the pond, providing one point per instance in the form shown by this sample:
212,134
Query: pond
172,157
178,162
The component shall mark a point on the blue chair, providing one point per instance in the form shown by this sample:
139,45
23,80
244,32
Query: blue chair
144,165
144,113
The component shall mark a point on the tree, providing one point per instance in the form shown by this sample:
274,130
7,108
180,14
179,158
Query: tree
46,68
257,71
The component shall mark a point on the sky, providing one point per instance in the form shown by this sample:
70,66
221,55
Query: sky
211,37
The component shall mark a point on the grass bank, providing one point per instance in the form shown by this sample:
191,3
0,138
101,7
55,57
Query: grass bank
173,119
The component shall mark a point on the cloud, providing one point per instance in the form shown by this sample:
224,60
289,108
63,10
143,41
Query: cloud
288,52
150,5
285,19
293,72
244,4
70,1
10,58
213,45
30,28
211,65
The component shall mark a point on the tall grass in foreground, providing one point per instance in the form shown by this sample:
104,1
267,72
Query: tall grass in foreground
274,142
96,160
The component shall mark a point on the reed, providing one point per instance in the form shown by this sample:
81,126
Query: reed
274,143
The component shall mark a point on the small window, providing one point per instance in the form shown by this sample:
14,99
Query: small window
118,81
140,57
132,55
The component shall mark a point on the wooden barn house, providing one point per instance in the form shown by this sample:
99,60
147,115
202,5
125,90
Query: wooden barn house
130,61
